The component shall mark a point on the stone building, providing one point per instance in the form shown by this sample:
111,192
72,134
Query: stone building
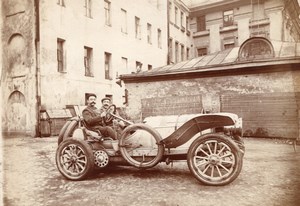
180,37
250,66
56,52
217,25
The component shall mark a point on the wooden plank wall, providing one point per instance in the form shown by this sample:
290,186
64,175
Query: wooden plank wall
266,114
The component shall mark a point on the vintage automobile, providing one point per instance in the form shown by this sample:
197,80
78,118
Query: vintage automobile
210,143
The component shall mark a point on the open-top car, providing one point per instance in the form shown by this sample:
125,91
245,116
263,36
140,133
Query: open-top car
210,143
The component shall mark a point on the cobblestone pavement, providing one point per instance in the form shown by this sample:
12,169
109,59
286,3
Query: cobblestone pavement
270,176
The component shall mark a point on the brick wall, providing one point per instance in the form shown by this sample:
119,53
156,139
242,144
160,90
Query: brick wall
173,105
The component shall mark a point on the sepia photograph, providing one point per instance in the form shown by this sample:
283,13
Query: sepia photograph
150,102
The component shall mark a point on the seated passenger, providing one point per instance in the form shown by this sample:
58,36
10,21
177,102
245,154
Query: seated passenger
94,120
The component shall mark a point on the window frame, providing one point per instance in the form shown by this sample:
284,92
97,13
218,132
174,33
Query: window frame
149,33
107,12
124,21
88,8
107,65
201,23
159,43
61,3
176,51
230,16
202,53
88,61
61,55
137,21
139,66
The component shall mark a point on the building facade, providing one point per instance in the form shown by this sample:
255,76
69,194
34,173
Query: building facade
247,61
219,25
56,52
180,37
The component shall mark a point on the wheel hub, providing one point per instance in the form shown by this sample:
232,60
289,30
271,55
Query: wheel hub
101,158
214,159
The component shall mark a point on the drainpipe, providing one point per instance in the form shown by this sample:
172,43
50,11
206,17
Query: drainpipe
37,71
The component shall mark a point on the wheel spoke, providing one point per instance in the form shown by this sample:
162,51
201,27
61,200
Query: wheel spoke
226,155
218,169
82,161
200,157
204,152
201,163
208,146
226,161
212,171
221,150
224,167
81,166
206,168
215,148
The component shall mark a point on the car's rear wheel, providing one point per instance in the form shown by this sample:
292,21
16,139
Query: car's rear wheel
214,159
74,159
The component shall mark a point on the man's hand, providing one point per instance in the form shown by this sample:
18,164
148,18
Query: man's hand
103,114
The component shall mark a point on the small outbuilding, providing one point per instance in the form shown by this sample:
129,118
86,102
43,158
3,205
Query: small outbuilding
259,81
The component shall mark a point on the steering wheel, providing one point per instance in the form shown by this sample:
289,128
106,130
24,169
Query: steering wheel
110,110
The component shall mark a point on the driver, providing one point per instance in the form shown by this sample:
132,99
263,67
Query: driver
94,120
106,103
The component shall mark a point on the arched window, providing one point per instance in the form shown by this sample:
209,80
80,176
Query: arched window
256,48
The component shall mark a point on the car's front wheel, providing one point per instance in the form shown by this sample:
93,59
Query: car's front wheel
214,159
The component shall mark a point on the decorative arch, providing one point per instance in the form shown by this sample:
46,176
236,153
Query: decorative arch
16,54
256,48
16,112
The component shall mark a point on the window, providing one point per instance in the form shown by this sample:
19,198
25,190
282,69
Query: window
176,51
88,54
157,4
107,65
124,65
159,38
149,35
61,2
228,46
170,9
139,66
137,28
258,11
202,51
187,53
171,49
88,8
107,12
61,67
228,18
176,13
181,19
124,21
149,66
187,23
201,24
182,52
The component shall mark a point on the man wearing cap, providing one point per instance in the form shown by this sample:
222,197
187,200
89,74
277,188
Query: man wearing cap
94,120
106,102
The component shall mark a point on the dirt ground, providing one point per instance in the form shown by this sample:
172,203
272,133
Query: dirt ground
270,176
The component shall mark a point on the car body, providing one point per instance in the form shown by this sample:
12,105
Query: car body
210,143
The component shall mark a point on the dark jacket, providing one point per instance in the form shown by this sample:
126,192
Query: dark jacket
91,117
